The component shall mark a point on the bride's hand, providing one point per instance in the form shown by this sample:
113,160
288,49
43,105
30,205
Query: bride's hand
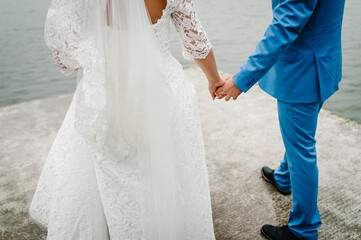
214,85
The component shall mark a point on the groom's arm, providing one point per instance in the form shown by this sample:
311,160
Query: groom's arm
289,19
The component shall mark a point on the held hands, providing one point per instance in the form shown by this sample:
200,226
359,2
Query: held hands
214,85
228,90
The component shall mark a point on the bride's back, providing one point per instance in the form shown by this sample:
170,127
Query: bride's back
155,9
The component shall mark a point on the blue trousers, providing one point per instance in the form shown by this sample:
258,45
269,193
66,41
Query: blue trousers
298,170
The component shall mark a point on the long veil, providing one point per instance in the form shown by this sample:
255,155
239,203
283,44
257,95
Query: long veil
127,114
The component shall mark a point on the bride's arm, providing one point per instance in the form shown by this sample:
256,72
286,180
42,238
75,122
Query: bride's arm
209,67
62,32
196,44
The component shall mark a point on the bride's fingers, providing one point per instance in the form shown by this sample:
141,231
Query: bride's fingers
220,91
227,98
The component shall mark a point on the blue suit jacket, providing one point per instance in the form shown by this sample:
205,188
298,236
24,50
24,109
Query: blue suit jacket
299,59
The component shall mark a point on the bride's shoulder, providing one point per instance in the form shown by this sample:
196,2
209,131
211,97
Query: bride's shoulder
176,4
172,3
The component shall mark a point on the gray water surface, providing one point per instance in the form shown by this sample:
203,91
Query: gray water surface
28,72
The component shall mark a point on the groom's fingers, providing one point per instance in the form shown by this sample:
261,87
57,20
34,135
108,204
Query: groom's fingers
227,98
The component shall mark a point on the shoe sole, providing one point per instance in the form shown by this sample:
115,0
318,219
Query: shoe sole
274,184
265,235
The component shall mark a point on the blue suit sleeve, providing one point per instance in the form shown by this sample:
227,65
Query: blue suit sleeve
274,4
289,19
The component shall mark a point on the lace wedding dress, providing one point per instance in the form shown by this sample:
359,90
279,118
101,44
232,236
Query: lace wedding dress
80,196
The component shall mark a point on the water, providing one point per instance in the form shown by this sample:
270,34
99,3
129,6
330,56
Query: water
28,72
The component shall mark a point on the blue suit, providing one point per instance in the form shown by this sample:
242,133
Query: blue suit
299,62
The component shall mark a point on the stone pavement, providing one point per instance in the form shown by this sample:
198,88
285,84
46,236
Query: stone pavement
240,137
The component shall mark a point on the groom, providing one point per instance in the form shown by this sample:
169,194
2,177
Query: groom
299,63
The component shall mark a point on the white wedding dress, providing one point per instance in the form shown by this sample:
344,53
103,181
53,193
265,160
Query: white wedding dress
79,197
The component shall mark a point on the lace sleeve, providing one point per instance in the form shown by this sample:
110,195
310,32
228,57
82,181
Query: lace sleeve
191,32
62,32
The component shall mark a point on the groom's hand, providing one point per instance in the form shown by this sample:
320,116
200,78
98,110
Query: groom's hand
228,90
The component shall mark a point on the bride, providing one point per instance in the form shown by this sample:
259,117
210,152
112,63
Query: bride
128,161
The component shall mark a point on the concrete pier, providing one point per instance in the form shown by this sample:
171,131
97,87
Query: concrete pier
240,137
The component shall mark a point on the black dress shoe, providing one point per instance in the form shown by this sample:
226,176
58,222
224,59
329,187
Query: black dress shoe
268,175
278,233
